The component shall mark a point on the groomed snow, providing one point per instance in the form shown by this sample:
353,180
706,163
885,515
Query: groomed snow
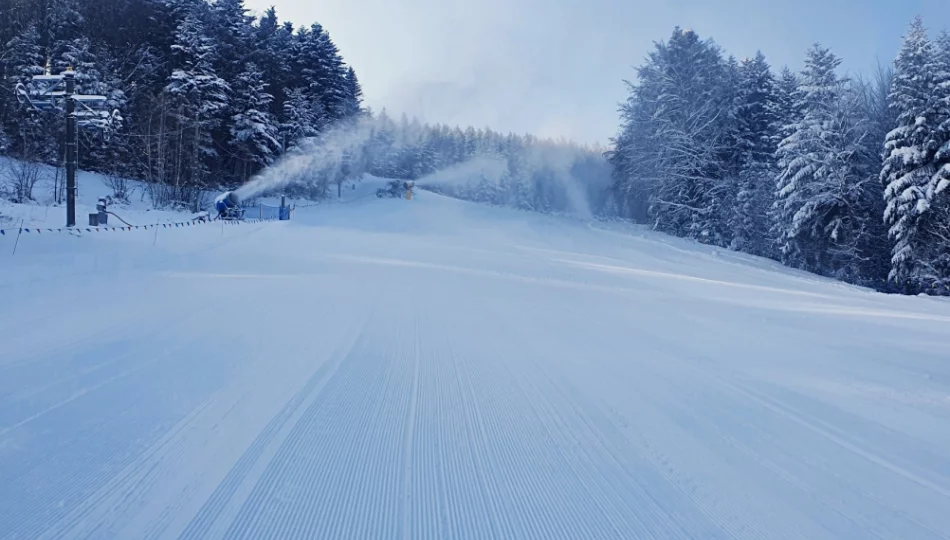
437,369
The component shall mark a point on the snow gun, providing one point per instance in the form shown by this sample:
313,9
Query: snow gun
228,207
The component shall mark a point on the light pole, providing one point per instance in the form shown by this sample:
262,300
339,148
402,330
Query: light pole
43,95
72,129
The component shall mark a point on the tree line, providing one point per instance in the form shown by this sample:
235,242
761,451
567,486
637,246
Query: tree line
207,94
844,177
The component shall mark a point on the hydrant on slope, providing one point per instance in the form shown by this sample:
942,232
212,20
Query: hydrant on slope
101,217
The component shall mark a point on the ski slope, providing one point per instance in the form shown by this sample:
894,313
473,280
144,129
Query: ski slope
437,369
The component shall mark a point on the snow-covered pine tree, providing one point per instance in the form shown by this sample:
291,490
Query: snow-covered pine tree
469,143
320,68
634,176
939,188
787,111
403,154
8,28
298,121
940,182
820,188
101,149
755,141
199,99
910,162
379,147
142,82
787,116
62,34
519,192
730,150
27,129
352,105
5,141
254,130
872,95
273,55
856,251
233,37
23,57
676,119
756,112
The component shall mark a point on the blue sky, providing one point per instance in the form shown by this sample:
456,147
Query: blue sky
555,68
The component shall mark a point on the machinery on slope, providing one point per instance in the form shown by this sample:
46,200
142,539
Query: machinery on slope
397,189
228,206
231,207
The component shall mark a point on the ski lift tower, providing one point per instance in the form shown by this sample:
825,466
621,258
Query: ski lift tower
57,93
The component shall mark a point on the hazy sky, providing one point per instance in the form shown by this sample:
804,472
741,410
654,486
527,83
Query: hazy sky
556,68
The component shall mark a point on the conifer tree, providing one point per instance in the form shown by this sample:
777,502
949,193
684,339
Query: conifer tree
911,149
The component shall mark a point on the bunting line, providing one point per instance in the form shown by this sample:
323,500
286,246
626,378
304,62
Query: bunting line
176,224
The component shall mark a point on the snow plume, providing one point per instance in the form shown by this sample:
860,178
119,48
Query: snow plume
558,164
325,158
488,169
539,176
479,166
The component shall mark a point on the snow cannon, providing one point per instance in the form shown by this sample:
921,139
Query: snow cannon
228,206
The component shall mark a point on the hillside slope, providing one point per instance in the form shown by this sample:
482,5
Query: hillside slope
437,369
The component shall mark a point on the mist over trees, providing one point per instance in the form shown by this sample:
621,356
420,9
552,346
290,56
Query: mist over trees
841,176
479,165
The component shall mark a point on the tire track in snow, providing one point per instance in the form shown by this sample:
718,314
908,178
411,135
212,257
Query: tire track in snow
341,461
75,330
809,487
801,478
511,455
52,487
367,501
127,506
724,430
583,465
78,395
525,463
116,494
410,431
839,438
431,521
442,476
487,493
204,521
723,506
613,478
732,381
620,474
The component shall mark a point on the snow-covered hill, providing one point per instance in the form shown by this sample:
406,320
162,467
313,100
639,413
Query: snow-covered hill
438,369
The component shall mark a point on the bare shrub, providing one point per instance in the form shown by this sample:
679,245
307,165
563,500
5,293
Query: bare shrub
23,176
120,186
162,195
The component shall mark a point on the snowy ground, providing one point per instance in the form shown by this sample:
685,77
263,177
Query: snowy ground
44,212
437,369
